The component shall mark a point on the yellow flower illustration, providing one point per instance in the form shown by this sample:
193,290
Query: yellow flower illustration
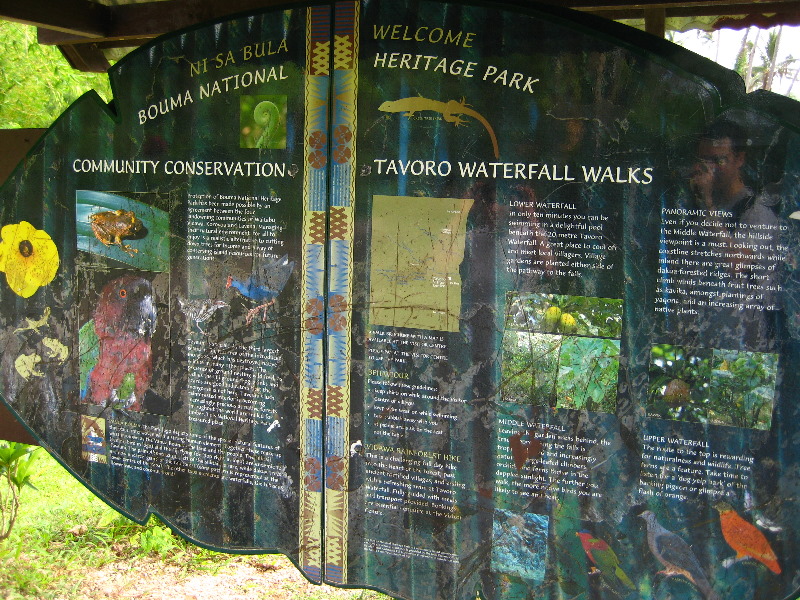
28,256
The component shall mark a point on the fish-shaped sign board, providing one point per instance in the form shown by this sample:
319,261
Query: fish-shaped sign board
432,297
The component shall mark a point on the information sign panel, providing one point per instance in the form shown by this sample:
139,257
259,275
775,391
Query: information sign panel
435,298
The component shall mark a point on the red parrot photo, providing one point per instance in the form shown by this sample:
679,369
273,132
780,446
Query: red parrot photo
124,322
604,559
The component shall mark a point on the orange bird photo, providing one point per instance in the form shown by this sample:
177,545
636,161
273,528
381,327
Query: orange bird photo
745,538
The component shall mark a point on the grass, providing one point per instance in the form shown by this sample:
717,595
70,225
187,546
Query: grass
64,532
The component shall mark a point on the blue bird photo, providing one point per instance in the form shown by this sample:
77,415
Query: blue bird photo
264,285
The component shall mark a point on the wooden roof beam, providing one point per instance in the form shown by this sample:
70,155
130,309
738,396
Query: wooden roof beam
50,37
132,24
128,22
763,21
85,57
778,14
75,17
156,18
719,6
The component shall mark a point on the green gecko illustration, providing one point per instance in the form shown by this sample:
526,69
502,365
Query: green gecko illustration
267,115
449,110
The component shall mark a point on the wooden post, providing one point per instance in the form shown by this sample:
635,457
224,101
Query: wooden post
655,21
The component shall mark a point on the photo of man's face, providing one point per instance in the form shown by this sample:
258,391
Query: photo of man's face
721,157
716,174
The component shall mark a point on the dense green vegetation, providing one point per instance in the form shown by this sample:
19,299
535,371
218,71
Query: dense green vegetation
562,351
16,468
63,530
719,387
758,60
36,82
64,534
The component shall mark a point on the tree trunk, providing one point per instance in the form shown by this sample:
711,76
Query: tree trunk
739,64
748,80
773,60
791,85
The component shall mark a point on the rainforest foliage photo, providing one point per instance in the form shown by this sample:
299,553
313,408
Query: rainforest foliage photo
718,387
562,351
